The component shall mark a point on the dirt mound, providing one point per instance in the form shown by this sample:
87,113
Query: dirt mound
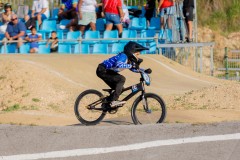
225,96
32,88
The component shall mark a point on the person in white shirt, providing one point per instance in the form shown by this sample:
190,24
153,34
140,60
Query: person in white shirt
40,10
87,14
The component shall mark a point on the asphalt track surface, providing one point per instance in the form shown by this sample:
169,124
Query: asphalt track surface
218,141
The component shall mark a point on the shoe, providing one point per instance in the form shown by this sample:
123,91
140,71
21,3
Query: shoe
62,27
117,103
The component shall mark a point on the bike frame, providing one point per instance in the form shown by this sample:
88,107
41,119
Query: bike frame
135,89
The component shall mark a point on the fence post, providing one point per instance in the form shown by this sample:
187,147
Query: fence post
237,76
212,69
226,62
156,41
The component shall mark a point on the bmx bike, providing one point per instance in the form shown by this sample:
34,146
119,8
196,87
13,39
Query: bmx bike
91,106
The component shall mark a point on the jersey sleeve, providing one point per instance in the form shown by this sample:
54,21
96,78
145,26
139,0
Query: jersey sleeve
121,62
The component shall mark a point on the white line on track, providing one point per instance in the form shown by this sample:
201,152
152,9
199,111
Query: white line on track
56,73
136,146
176,72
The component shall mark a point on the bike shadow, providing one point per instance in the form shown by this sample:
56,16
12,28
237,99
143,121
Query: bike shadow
108,122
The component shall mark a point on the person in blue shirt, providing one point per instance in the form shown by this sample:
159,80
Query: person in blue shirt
68,10
109,69
16,30
33,39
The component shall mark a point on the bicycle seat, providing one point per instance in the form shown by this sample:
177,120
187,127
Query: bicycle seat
108,90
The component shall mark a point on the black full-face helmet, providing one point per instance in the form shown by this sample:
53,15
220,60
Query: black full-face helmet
132,47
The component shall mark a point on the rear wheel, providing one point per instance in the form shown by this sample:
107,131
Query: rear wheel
148,110
89,114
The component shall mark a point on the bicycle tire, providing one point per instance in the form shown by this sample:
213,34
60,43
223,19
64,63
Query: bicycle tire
141,116
79,104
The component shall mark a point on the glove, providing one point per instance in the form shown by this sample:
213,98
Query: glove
148,71
139,61
135,66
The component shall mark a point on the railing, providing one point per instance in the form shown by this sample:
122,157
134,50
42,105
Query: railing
198,56
231,64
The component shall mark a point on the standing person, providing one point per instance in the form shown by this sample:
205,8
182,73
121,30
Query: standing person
188,6
113,14
68,10
16,30
54,42
6,17
87,14
33,39
150,9
40,10
126,18
166,7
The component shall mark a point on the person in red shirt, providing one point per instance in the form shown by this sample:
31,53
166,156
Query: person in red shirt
166,7
113,14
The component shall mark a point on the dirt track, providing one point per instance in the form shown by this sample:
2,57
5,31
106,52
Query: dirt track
45,87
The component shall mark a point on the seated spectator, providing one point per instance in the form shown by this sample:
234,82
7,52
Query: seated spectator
29,22
150,9
87,14
33,38
5,17
40,10
16,30
54,42
68,10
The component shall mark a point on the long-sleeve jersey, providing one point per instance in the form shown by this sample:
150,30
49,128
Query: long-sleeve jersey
118,63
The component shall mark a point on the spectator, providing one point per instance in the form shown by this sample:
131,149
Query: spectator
33,39
113,14
54,42
1,8
87,14
166,7
188,6
29,22
40,10
150,9
6,17
68,10
16,30
126,19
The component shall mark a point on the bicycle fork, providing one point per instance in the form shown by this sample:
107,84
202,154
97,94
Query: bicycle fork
145,105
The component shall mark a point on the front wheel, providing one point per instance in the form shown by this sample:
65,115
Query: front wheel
148,109
88,107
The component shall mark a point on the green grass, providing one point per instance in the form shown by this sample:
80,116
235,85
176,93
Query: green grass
35,100
26,94
222,15
15,107
2,77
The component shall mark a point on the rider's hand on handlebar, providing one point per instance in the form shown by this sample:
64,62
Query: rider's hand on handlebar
135,65
148,71
139,61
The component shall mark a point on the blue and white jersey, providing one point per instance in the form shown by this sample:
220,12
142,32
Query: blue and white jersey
118,63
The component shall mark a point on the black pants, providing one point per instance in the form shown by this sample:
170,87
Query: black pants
114,80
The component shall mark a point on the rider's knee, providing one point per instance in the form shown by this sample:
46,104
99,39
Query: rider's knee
123,79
